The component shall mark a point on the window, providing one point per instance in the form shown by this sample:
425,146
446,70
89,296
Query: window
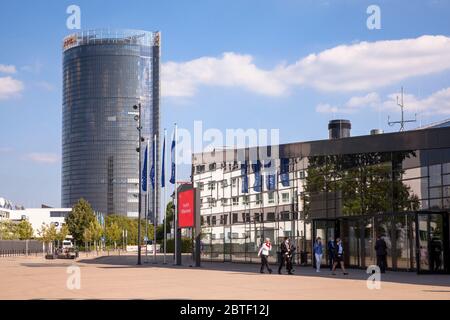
224,201
212,166
284,216
58,214
245,200
212,185
200,168
285,196
301,174
211,202
224,183
234,182
246,216
235,217
271,216
214,220
208,220
271,197
258,199
259,217
235,201
435,175
200,186
224,219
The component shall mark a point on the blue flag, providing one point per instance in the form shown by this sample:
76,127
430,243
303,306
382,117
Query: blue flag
244,188
163,169
144,172
152,170
257,187
270,182
270,175
172,153
284,171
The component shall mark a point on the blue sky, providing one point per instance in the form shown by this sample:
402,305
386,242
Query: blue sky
256,72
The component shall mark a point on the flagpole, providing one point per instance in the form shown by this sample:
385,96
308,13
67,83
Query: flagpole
176,197
147,200
155,222
164,197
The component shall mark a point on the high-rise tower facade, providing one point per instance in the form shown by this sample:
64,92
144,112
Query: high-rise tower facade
105,73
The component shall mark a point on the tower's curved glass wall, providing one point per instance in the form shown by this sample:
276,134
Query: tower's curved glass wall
105,73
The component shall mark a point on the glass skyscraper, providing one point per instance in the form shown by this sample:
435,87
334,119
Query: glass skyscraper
105,73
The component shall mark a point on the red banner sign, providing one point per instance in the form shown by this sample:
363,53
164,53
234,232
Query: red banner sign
186,209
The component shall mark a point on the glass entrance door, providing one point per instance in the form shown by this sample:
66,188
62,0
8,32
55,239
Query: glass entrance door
326,230
227,244
432,242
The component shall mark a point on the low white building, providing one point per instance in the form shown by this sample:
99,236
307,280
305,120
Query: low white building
37,216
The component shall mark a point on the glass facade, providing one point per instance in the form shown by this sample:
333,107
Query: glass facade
400,195
105,73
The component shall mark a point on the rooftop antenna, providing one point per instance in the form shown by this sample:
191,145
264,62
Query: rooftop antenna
402,121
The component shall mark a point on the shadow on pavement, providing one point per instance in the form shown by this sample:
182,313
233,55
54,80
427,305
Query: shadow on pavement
130,261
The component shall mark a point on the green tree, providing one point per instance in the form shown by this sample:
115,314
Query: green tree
113,233
63,232
79,219
87,237
170,208
24,230
131,226
48,235
96,232
7,230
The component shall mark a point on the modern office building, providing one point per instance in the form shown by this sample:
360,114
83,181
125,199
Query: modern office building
396,185
106,73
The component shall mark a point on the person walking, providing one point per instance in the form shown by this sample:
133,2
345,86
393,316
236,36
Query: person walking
264,252
338,256
318,251
286,251
330,251
381,251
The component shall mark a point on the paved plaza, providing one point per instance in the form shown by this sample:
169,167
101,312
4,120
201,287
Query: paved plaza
118,277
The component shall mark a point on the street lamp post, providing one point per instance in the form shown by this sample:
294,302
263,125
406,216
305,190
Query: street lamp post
138,149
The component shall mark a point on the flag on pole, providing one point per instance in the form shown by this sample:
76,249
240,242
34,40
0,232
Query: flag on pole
172,152
144,172
244,171
152,171
257,186
284,172
163,168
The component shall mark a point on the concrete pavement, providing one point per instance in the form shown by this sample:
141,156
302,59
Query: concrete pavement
118,277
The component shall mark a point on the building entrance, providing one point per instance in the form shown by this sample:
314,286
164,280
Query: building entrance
432,238
326,230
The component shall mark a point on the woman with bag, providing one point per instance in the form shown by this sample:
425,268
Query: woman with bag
264,252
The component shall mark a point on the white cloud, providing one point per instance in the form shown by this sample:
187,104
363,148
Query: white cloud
354,104
369,65
9,87
47,158
326,108
7,68
229,70
356,67
370,99
437,103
